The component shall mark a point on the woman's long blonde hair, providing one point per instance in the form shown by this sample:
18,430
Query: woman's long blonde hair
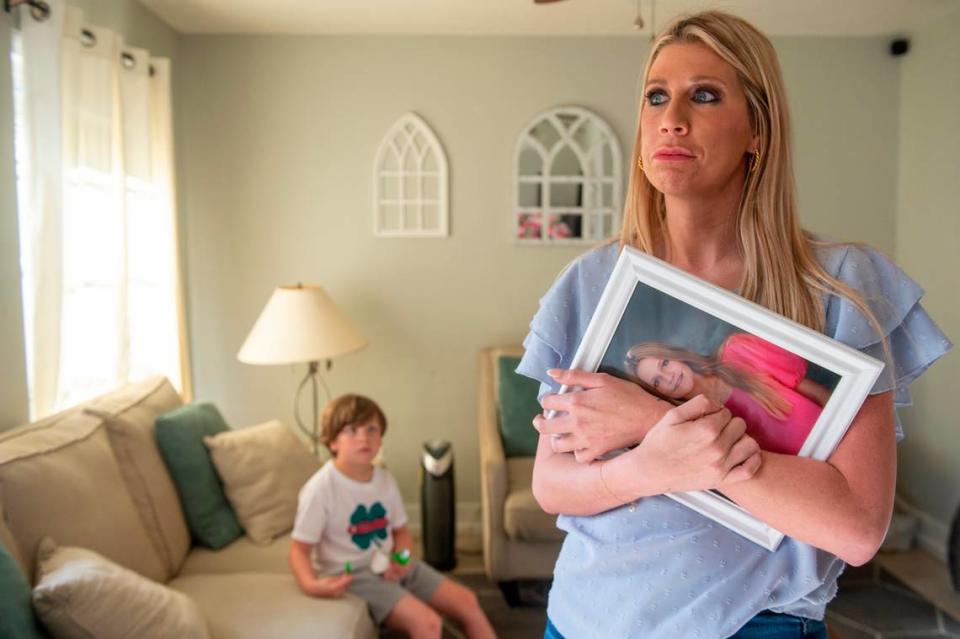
710,365
781,271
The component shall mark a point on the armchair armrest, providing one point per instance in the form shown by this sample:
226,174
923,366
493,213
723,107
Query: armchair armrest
493,462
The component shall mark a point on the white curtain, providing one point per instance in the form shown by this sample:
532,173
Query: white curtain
97,217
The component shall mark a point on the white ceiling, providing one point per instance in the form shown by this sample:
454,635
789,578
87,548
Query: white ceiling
523,17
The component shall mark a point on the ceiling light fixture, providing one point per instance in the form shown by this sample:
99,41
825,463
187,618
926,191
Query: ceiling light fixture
638,23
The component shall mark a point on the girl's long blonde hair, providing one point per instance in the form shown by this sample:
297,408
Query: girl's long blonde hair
781,271
710,365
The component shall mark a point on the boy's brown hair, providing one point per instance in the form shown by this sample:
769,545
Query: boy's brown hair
346,410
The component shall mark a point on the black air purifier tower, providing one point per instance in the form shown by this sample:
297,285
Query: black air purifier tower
437,510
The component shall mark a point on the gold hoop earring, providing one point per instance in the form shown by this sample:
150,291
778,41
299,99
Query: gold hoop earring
640,162
755,162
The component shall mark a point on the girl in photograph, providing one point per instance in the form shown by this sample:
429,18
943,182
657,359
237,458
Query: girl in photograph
757,381
711,192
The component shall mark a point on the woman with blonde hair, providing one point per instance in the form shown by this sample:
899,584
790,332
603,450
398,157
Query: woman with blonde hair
712,192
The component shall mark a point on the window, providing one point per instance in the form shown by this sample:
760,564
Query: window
98,244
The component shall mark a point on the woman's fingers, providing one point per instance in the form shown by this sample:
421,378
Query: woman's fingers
583,379
563,443
732,432
740,451
745,470
692,410
586,455
561,439
559,401
557,425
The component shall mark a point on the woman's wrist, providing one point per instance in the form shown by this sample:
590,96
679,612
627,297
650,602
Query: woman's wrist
653,411
626,480
647,410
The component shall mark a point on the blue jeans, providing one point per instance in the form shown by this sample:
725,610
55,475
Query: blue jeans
770,625
551,632
766,625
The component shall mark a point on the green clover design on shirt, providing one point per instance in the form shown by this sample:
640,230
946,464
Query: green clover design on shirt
366,526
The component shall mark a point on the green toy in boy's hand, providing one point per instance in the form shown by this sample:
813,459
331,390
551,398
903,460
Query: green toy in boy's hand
348,568
402,557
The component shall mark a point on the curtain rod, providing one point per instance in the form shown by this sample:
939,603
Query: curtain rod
39,9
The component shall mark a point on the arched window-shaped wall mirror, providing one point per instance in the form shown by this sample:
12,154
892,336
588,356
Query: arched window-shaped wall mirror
410,182
568,179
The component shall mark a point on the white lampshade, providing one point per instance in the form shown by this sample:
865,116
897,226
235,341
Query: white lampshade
299,324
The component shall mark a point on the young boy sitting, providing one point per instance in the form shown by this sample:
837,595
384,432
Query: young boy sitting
350,512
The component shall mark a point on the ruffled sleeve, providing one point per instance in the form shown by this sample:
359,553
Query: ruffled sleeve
909,341
563,315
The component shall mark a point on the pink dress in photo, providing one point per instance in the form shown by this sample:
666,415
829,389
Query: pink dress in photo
782,370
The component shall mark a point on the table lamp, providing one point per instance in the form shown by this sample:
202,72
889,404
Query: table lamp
301,324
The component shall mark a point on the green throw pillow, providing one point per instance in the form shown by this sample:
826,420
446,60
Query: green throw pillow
518,407
180,436
16,610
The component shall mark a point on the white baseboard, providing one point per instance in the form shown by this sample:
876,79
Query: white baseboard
932,534
468,518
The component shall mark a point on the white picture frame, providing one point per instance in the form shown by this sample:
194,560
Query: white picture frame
644,280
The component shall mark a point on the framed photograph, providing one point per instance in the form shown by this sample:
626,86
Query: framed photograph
679,336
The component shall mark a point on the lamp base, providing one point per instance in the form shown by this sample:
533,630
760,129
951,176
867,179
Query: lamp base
315,378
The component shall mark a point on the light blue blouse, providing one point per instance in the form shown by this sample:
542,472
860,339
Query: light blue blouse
658,569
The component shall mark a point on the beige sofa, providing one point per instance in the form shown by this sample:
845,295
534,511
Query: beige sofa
98,481
520,540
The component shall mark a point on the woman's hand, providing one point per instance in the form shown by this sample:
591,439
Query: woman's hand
331,587
605,414
696,446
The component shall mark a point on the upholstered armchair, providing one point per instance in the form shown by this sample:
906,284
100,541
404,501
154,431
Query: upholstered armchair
520,540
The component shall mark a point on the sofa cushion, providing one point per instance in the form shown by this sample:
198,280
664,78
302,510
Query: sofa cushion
17,618
129,415
59,477
517,400
243,555
263,469
265,606
523,519
80,594
180,436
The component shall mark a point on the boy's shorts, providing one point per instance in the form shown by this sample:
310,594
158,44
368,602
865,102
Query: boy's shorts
382,595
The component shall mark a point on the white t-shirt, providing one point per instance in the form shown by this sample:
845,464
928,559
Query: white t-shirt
346,519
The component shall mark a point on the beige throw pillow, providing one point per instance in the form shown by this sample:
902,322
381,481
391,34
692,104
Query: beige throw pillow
129,414
60,478
263,468
80,594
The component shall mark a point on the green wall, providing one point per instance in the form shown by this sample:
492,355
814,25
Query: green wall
276,140
928,247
